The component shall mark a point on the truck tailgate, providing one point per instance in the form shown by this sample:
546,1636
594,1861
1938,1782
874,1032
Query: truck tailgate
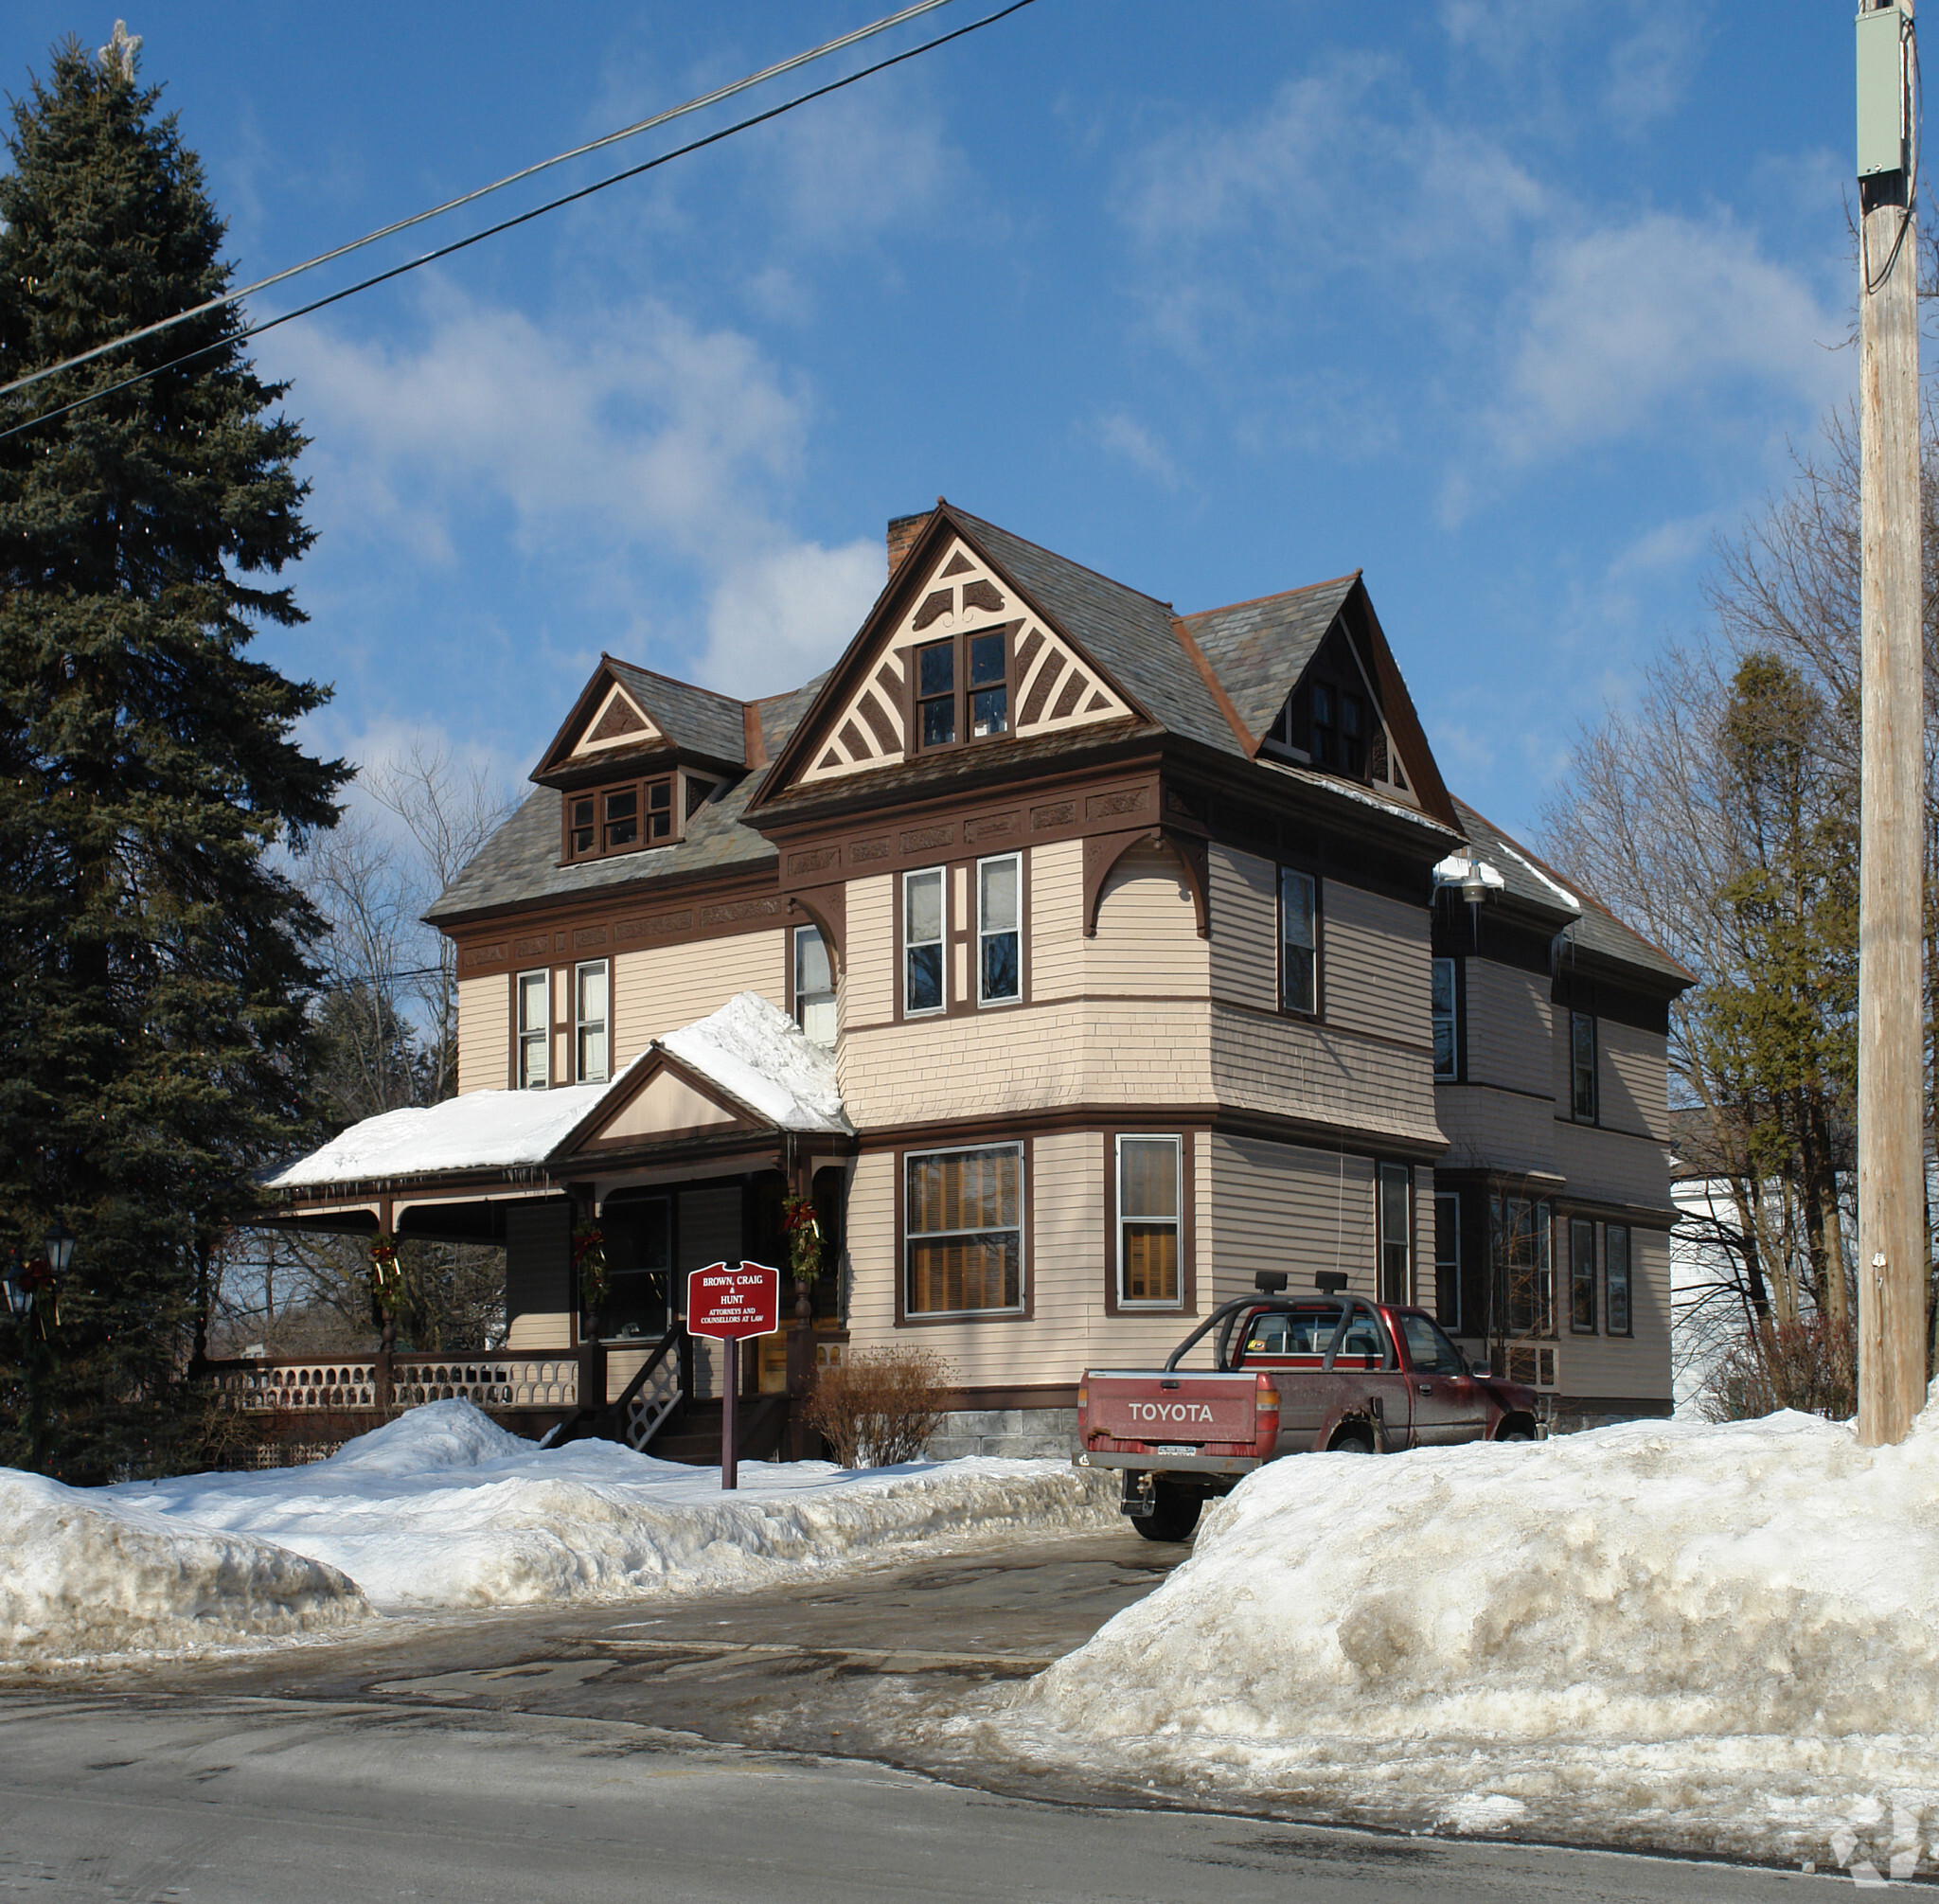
1172,1410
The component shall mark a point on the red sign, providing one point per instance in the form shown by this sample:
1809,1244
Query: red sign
731,1301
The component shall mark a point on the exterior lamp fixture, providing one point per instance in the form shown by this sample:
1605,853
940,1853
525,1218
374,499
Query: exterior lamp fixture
60,1247
1473,878
20,1293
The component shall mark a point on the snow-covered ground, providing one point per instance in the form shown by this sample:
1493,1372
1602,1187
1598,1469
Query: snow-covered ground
442,1507
1712,1637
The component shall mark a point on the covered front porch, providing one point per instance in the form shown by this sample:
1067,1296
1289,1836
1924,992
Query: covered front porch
604,1198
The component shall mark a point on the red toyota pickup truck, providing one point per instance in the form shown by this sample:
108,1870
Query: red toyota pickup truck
1289,1375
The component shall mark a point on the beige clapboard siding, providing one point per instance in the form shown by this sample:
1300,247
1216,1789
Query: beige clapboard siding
1633,1080
1373,971
664,987
1510,1028
1282,1206
1291,1068
1148,937
1244,912
484,1033
869,985
1610,1168
1636,1366
1068,1329
1056,919
1498,1130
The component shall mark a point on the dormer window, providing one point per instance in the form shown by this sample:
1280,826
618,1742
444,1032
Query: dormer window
962,688
619,819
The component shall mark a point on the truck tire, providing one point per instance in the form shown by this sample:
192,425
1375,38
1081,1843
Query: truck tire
1174,1514
1352,1441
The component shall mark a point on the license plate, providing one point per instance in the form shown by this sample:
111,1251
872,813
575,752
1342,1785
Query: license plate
1176,1448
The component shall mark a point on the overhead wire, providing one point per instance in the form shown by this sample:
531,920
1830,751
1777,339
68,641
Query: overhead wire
646,125
523,217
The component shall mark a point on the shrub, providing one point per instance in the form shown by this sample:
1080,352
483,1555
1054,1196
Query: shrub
880,1406
1810,1366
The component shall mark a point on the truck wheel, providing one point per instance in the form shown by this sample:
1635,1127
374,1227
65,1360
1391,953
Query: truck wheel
1174,1514
1355,1441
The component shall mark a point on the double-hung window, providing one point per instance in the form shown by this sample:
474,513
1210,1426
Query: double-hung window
1299,941
1147,1221
924,914
1582,1066
1582,1275
535,1029
1616,1278
814,986
1397,1235
1447,1030
589,1021
963,689
1447,1259
999,911
1519,1237
963,1230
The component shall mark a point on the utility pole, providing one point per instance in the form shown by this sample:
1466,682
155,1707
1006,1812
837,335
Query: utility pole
1891,1177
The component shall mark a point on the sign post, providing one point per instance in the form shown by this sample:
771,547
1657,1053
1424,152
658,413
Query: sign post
730,1302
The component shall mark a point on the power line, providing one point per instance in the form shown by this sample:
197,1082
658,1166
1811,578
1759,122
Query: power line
694,105
523,218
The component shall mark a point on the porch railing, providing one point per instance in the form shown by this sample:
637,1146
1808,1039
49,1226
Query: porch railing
317,1385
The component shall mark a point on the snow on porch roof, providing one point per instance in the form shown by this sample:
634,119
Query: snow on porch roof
754,1052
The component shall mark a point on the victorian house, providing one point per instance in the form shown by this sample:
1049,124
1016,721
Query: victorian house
1079,958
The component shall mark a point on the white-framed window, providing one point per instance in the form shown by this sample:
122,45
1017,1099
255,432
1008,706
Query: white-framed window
1397,1235
1582,1066
1447,1261
590,1003
1149,1204
1299,941
924,914
1446,1031
1519,1248
814,986
963,1230
999,937
1615,1243
535,1027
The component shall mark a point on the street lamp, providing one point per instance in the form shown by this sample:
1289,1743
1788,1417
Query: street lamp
60,1247
19,1292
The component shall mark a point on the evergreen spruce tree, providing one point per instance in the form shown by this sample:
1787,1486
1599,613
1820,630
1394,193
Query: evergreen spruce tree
154,961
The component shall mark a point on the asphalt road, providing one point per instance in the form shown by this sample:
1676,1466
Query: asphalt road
743,1747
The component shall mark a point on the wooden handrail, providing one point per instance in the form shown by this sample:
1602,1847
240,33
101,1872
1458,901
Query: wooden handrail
615,1410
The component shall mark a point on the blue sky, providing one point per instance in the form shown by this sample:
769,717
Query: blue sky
1514,304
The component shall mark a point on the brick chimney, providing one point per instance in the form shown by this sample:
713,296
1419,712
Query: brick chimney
902,532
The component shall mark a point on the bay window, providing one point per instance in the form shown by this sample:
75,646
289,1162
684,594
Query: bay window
963,1231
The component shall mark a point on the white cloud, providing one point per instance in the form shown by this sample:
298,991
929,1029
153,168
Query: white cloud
1122,434
851,166
1625,319
780,618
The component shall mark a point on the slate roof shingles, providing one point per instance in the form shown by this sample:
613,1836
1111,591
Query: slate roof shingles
1258,650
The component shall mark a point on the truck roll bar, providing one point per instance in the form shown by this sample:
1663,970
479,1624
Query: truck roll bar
1227,1313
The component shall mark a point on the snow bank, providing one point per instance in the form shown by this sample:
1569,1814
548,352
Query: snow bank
443,1508
88,1573
1718,1638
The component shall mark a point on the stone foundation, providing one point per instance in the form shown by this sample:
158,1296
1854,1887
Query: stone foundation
1034,1434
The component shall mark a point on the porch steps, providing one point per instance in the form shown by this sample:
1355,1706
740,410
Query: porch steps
693,1434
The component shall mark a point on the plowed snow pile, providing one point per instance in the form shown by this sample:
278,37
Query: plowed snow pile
442,1507
85,1573
1715,1637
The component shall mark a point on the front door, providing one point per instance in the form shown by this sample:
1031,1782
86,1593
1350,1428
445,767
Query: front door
1448,1402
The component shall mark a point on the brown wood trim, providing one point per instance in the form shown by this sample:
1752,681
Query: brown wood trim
827,909
1102,852
1212,1119
1187,1304
973,1318
1247,739
1650,1406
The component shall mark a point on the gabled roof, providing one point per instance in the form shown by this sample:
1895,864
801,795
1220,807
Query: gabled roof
749,1057
682,718
1258,650
1588,923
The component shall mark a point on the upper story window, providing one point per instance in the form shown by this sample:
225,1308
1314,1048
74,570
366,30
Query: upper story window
999,912
1582,1066
1299,942
923,915
590,1020
1148,1220
1338,722
1447,1028
814,986
962,688
619,819
535,1029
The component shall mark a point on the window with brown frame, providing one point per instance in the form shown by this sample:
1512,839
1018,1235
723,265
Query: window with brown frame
619,819
960,688
963,1230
